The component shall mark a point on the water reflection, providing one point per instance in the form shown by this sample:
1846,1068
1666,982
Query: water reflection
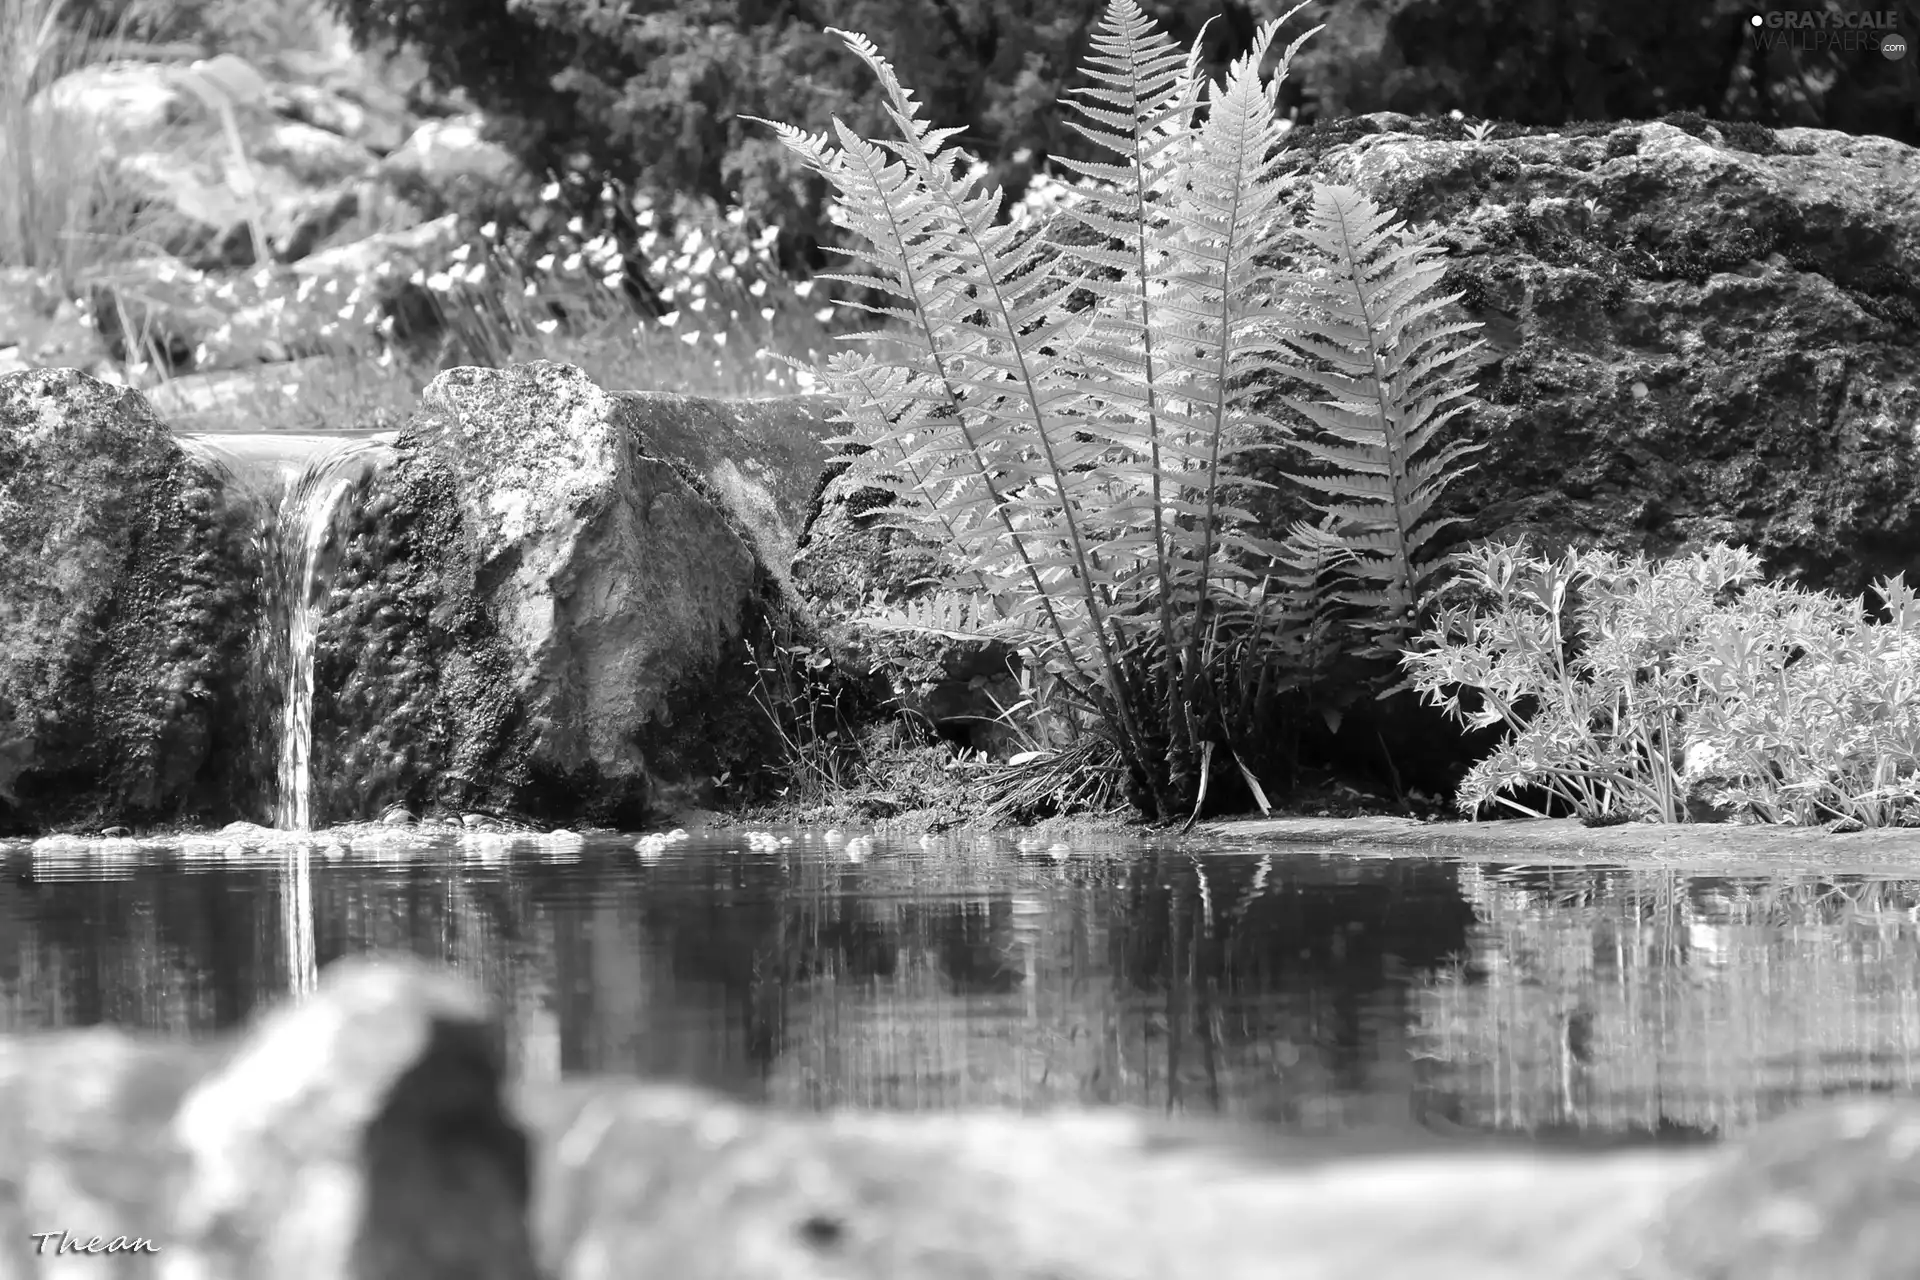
1306,989
1613,999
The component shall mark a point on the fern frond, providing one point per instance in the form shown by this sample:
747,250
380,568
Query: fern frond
1368,334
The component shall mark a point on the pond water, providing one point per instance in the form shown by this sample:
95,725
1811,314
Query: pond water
1310,989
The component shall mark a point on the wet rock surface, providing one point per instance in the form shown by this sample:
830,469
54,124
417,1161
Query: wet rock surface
365,1132
125,611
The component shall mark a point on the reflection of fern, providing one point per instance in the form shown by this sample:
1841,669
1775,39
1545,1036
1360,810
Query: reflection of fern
1395,375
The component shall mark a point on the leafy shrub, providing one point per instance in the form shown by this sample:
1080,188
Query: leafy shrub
1644,690
1076,462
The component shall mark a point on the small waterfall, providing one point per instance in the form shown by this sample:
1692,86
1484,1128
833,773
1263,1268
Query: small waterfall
298,564
297,485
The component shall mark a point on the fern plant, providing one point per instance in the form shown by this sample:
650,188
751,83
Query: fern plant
1080,463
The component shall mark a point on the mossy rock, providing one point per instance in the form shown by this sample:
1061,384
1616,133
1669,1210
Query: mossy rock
127,604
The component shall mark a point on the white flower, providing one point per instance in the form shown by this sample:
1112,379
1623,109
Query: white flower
698,304
543,263
488,230
476,273
550,192
460,252
802,289
670,319
690,338
439,282
758,288
823,315
572,263
547,326
766,313
720,339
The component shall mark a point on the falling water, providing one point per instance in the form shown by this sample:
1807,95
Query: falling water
298,566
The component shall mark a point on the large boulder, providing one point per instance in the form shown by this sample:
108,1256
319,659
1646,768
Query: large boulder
538,611
1697,334
126,608
366,1133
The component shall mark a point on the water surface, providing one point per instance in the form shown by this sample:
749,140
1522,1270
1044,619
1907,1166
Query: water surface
1302,988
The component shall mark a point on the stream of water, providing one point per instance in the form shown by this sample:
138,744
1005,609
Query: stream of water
297,483
299,562
1306,989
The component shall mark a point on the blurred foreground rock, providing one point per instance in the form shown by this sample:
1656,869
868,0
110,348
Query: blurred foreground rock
363,1134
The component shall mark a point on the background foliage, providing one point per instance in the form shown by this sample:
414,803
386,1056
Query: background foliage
655,92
